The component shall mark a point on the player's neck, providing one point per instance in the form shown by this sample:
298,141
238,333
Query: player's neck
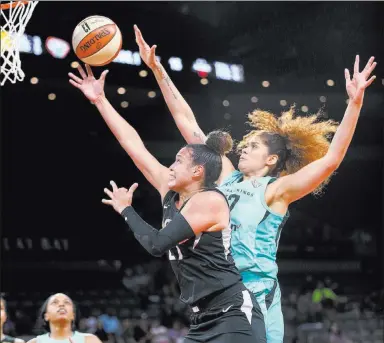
60,331
187,194
255,174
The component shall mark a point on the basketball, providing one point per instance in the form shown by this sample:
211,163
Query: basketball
97,40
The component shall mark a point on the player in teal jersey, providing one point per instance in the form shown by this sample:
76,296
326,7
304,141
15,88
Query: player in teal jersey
281,161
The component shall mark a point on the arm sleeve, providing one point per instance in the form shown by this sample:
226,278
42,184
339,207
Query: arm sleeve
157,242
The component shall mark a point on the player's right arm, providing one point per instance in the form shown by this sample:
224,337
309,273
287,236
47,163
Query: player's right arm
179,108
129,139
205,211
181,112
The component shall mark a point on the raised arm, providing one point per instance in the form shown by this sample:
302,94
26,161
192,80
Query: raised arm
181,112
129,139
295,186
179,108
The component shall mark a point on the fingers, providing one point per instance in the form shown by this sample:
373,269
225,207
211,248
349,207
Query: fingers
347,75
81,71
103,75
89,70
370,69
369,63
139,37
137,31
114,186
108,192
356,66
133,188
75,78
73,83
107,202
152,52
368,83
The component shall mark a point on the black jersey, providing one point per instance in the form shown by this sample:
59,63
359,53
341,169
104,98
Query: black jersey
203,265
8,339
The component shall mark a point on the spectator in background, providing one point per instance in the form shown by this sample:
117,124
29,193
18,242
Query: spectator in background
111,324
92,321
308,284
177,332
100,332
3,318
336,335
328,282
141,331
159,333
127,331
304,307
324,295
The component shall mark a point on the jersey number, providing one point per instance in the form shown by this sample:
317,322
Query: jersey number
178,255
233,199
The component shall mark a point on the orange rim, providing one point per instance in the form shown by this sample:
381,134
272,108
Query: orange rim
9,5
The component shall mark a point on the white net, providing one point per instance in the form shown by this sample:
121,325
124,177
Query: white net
13,19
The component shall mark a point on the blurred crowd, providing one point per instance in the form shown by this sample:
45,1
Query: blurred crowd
140,313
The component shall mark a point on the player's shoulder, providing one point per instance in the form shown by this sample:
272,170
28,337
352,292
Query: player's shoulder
91,338
19,340
33,340
209,198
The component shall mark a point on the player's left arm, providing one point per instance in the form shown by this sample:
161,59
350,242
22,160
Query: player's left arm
295,186
207,211
181,111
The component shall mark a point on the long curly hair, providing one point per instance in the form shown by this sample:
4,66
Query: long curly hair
296,140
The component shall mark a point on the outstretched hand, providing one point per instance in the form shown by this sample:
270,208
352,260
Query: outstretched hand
357,85
88,84
120,198
147,54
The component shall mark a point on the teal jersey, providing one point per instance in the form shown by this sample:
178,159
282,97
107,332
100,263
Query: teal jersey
255,227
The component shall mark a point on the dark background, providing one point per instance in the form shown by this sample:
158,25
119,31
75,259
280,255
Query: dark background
57,156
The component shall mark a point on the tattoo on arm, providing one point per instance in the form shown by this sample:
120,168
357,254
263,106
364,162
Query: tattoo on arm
167,80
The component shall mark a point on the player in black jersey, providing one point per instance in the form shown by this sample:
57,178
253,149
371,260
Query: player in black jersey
195,233
3,319
196,236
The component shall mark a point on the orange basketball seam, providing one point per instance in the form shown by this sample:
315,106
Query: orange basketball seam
114,56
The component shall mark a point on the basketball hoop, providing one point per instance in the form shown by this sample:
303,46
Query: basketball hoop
14,17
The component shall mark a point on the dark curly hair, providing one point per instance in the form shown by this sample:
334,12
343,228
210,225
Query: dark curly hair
296,140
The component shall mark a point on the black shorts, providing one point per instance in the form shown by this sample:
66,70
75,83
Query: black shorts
236,319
